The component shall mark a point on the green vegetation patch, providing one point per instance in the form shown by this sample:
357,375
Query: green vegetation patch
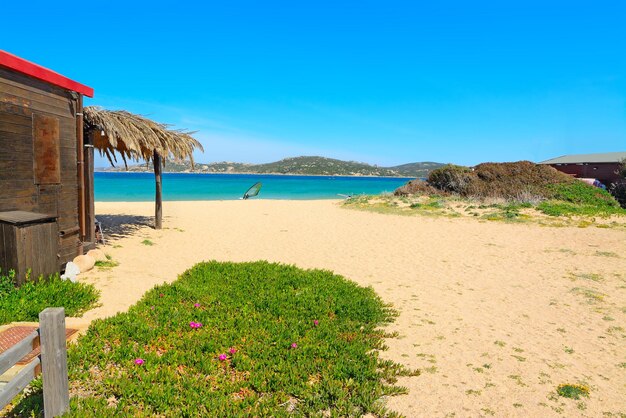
559,208
24,303
578,198
581,193
107,264
228,339
606,254
508,212
595,277
388,204
591,295
572,391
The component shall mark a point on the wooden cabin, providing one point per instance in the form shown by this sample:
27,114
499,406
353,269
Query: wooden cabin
46,169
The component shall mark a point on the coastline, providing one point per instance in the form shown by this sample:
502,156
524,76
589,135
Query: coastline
263,174
467,323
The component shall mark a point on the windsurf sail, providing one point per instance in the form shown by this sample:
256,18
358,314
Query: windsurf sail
252,191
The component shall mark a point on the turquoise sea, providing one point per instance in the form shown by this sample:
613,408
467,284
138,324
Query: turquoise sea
137,187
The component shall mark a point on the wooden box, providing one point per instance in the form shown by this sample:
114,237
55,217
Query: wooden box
28,240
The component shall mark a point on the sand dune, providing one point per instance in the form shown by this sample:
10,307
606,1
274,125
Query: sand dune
496,315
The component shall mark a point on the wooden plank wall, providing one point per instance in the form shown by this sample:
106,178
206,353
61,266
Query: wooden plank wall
21,97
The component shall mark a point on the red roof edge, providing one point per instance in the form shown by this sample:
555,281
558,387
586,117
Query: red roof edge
42,73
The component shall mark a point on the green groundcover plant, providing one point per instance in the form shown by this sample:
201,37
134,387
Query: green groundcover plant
227,339
24,303
572,391
578,198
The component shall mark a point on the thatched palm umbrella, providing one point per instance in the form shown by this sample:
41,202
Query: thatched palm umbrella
135,137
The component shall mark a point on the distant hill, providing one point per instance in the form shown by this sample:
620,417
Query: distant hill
296,165
416,169
321,166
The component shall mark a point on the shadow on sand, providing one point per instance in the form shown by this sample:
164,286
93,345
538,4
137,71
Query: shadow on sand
121,226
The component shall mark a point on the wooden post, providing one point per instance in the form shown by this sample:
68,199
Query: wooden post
80,160
90,214
56,397
158,210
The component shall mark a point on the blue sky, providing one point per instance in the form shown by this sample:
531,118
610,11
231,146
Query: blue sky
384,82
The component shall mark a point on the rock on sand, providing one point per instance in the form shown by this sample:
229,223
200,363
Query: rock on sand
98,255
84,262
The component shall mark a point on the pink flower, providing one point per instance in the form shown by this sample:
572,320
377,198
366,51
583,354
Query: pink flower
139,361
232,350
196,305
316,322
223,357
195,325
294,345
161,295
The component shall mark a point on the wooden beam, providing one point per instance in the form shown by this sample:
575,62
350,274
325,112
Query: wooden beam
80,161
158,210
18,351
90,213
19,382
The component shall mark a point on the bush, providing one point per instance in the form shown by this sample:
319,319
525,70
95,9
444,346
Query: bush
451,178
7,282
418,187
227,339
24,303
618,191
508,181
622,169
553,192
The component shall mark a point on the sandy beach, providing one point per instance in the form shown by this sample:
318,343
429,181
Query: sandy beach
495,315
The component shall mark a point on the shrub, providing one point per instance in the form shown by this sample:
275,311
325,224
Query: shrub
572,391
553,192
520,180
227,339
622,169
451,178
512,180
7,282
25,302
618,191
418,187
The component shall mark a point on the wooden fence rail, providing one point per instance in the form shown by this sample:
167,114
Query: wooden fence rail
52,362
